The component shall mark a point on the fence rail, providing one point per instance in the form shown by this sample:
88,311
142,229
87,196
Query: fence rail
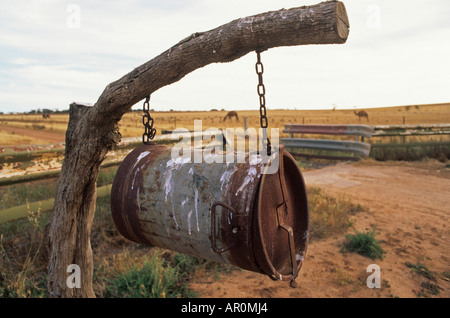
411,130
358,146
361,131
25,210
356,130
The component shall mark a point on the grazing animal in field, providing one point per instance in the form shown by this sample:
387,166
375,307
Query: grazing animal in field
45,115
361,113
230,115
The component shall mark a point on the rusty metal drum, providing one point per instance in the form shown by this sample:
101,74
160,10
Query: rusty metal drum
234,212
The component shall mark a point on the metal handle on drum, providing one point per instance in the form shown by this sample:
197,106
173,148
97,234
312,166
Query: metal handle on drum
290,232
288,229
213,227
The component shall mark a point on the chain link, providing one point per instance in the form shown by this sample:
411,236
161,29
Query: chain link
147,121
262,103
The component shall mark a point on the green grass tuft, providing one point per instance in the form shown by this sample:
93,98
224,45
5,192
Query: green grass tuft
363,243
154,279
421,270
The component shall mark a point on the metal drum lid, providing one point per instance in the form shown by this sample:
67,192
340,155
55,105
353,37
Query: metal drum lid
280,222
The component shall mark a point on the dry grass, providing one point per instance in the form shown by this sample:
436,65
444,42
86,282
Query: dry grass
415,114
329,215
131,123
57,123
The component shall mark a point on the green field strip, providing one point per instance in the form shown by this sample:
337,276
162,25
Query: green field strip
23,211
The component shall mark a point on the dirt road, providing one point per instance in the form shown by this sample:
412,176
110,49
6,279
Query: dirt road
48,136
408,204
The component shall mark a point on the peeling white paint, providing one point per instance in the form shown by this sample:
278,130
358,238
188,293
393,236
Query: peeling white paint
168,183
138,201
247,204
177,163
255,159
173,216
195,204
173,165
134,178
169,193
140,157
252,172
170,187
188,215
189,221
225,177
299,257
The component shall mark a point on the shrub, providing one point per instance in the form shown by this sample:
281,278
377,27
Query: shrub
364,244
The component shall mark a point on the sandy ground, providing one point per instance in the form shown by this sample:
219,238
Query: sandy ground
408,205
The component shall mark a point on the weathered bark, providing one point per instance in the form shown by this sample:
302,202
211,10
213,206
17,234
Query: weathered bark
93,131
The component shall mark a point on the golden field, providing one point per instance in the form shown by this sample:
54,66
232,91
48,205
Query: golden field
131,123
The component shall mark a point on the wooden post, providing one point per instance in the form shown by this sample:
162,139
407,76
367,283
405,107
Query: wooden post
93,131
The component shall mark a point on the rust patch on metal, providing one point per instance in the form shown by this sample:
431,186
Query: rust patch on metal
124,194
227,213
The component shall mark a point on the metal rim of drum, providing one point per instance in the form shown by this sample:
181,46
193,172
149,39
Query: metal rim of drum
269,234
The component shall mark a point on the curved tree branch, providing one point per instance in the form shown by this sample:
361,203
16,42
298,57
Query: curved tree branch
325,23
93,131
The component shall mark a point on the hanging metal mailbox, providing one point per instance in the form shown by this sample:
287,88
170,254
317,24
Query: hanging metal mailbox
232,213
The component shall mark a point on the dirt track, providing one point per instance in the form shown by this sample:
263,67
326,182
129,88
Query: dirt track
410,207
51,137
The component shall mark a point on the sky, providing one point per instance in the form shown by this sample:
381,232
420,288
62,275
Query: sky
55,52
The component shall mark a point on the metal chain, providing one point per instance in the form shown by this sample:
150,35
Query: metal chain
147,121
262,103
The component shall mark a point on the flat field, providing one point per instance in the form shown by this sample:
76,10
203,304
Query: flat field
131,123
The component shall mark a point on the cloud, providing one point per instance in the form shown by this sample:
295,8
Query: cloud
52,53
